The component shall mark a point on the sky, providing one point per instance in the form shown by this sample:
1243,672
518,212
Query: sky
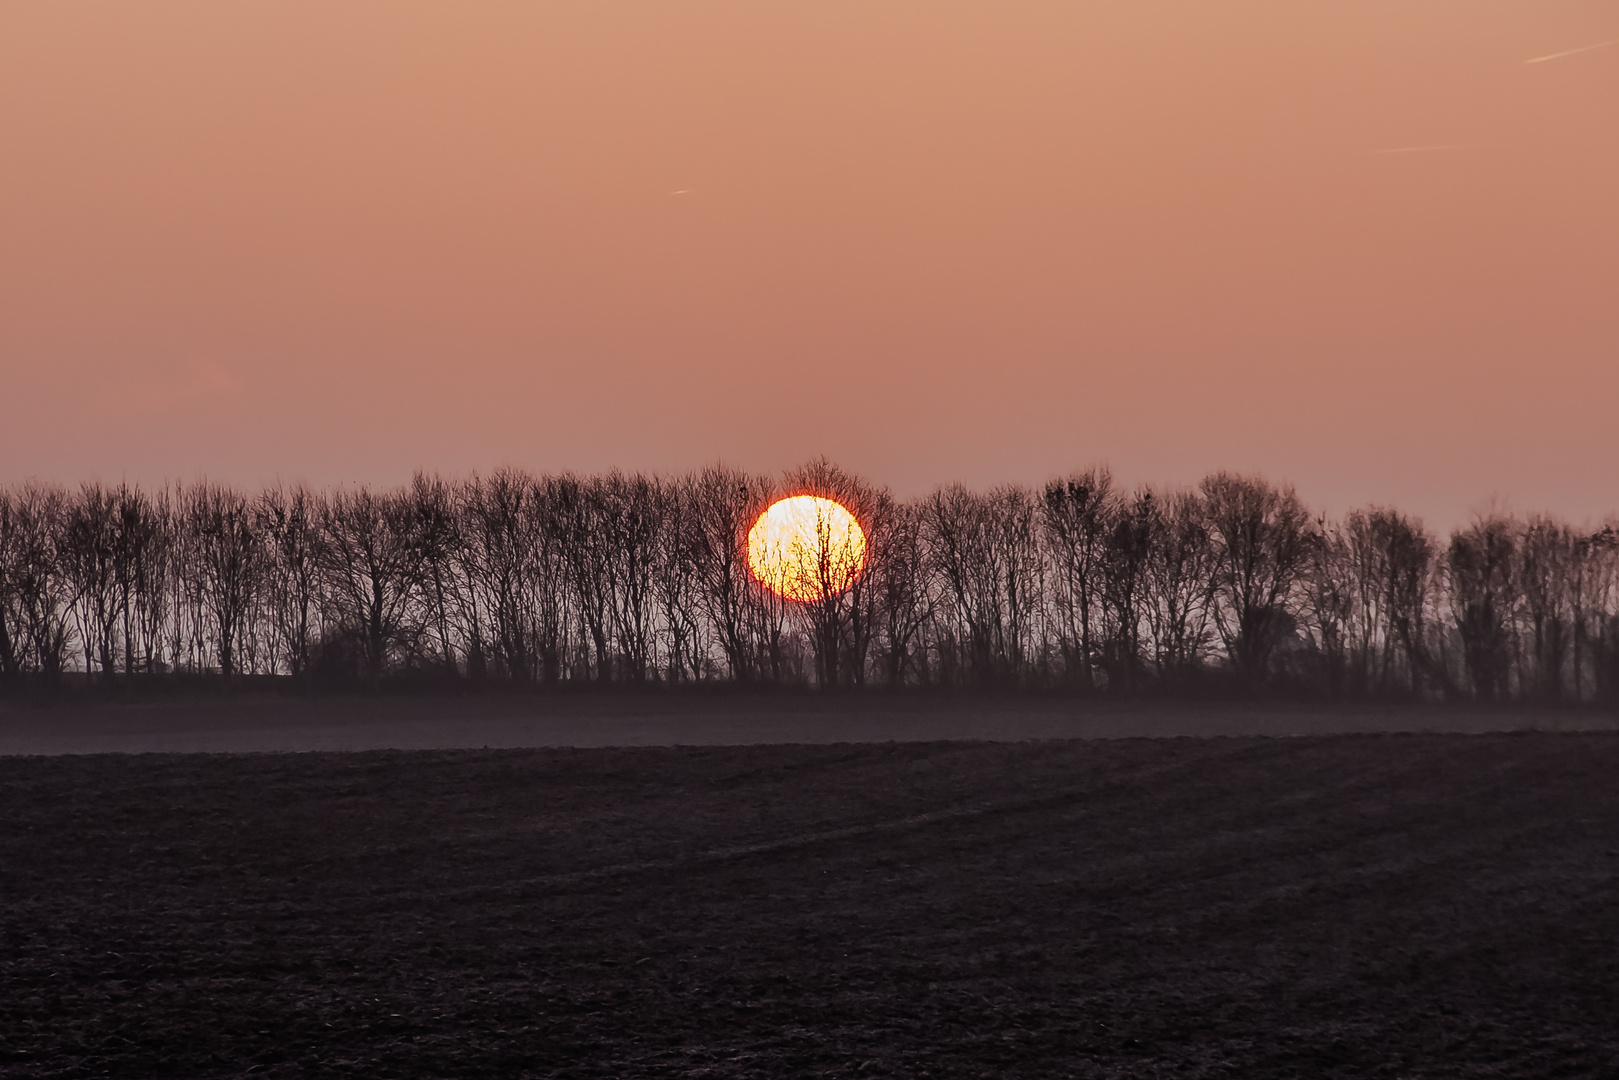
1368,249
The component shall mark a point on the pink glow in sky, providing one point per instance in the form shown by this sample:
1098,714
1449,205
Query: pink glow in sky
1365,247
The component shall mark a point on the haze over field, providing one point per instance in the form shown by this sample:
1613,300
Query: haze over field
1365,248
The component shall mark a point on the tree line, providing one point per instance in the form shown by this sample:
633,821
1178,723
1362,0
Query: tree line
636,579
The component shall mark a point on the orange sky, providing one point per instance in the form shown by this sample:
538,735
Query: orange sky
934,240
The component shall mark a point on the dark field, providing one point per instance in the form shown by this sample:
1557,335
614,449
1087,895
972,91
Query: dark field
1348,906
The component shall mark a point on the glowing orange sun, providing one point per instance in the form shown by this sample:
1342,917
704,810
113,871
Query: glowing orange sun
806,548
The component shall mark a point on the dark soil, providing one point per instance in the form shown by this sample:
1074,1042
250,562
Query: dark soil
1367,906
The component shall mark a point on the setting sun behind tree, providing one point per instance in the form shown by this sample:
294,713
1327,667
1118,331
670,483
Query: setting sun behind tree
806,548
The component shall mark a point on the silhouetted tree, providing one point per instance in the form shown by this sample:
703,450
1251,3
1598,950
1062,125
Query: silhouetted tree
38,585
141,552
1483,594
1076,516
1408,555
1602,611
631,523
226,564
11,572
629,577
1547,569
584,545
91,558
153,575
289,519
1132,533
1336,618
984,549
436,549
372,572
507,544
875,508
898,582
840,619
1262,540
1367,596
747,620
1180,582
1593,594
675,582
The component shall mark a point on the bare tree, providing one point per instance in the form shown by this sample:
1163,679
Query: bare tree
1076,514
631,524
984,549
1547,571
876,509
839,616
91,549
1180,581
1602,635
901,590
11,571
1482,562
748,620
288,519
581,515
549,578
955,545
372,570
1336,616
629,577
141,550
1131,535
38,585
227,564
1593,595
503,543
675,583
1262,540
13,634
1408,555
152,573
436,542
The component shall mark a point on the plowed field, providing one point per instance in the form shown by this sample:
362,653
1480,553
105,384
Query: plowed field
1347,906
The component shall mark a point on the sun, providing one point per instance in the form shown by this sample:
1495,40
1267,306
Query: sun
806,548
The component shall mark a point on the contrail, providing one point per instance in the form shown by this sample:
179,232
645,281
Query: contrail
1571,52
1418,149
682,191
